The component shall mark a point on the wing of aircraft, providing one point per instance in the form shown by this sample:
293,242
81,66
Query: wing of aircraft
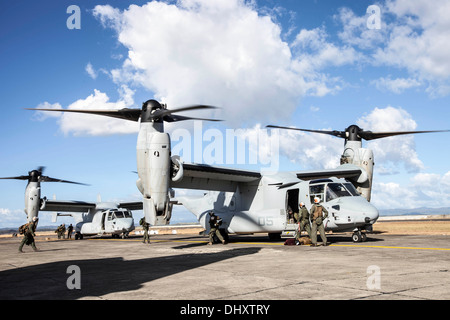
136,205
346,171
82,206
206,177
66,206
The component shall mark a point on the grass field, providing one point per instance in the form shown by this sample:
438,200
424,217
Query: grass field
433,227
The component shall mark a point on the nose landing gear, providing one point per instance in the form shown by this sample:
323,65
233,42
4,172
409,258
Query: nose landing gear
359,236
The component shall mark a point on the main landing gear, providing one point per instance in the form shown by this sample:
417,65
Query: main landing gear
359,236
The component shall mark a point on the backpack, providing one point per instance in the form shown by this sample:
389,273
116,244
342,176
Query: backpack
23,228
290,242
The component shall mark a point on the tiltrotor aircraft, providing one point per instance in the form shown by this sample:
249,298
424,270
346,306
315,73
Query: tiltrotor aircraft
90,218
250,201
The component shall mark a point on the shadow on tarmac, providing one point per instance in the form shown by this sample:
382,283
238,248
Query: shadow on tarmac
101,276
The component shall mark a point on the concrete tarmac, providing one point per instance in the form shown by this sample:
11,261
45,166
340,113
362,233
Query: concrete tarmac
184,267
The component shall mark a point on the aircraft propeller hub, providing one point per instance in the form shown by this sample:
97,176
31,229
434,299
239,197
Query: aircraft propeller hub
150,111
352,133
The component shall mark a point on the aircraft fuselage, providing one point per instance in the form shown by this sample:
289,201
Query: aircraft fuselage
263,206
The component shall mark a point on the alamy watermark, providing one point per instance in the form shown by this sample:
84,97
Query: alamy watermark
74,20
232,146
374,19
374,277
74,280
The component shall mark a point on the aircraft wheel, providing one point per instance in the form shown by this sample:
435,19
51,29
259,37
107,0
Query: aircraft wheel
363,237
357,237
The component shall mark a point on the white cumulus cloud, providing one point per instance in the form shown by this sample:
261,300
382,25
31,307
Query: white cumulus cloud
224,53
83,124
393,151
90,71
397,85
423,190
413,37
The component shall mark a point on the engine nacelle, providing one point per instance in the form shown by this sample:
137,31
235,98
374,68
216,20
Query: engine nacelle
32,200
363,158
154,169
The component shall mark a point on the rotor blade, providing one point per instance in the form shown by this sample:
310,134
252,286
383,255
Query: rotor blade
165,112
49,179
187,108
125,113
340,134
18,178
369,135
174,118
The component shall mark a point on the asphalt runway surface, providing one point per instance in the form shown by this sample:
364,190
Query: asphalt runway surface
184,267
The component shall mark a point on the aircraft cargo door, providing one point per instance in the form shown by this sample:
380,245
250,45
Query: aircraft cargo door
291,204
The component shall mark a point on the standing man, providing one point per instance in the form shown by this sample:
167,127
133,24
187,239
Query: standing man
214,223
69,232
28,235
318,214
145,225
304,221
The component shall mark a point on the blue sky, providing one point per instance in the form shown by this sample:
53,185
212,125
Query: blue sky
309,64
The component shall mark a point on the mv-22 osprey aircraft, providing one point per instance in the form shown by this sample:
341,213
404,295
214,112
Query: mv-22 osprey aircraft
250,201
90,218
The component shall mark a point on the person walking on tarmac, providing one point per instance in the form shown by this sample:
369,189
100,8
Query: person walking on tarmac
28,235
318,214
303,224
214,223
145,225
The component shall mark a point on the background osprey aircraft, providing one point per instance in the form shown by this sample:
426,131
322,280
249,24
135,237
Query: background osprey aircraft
90,218
248,201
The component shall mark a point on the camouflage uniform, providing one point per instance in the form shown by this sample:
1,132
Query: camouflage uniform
145,227
214,223
318,214
28,236
61,230
304,222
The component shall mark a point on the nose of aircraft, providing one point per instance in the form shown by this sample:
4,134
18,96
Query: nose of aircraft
371,213
361,210
125,224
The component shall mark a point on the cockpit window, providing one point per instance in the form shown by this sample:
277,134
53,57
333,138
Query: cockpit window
316,191
336,190
128,214
119,214
352,189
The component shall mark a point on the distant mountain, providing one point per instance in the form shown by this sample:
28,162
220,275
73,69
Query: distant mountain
16,230
416,211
